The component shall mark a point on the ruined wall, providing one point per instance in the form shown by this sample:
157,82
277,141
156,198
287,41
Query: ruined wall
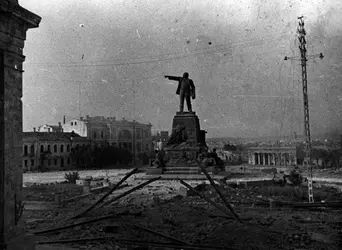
14,22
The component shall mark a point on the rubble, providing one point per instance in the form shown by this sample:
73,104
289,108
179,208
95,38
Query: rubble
192,219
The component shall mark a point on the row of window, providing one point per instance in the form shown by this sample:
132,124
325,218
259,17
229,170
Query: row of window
51,162
140,134
128,145
48,148
95,135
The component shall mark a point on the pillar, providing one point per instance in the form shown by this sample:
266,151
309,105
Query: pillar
274,159
263,159
14,23
259,158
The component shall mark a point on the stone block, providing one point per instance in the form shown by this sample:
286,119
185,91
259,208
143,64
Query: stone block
185,192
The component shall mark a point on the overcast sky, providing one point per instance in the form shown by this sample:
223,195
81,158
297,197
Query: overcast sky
85,56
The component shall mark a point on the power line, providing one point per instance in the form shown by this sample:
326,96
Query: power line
191,51
245,45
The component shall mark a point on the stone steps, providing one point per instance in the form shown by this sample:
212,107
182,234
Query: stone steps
181,170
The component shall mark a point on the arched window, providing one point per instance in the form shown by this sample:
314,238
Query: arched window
62,148
55,148
41,148
68,148
94,134
101,134
32,149
25,150
49,148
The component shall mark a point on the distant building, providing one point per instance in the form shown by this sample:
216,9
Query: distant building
49,149
103,130
50,128
273,156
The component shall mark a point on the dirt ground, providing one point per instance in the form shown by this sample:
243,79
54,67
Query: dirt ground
165,207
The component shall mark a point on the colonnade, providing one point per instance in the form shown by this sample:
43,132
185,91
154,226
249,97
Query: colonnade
272,159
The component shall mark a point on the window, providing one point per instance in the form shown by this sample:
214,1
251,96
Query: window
25,163
72,123
32,149
68,148
25,150
94,135
62,162
55,161
32,162
75,123
41,148
101,134
62,148
49,162
49,148
55,148
68,160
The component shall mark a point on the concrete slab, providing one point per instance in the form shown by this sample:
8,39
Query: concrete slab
154,171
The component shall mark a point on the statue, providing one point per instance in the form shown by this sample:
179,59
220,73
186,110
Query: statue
185,90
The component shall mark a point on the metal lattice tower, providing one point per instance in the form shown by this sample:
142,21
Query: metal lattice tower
302,47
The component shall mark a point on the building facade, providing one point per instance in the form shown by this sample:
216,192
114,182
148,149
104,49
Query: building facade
273,156
102,130
51,150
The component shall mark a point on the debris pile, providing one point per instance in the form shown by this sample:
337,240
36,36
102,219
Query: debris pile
206,216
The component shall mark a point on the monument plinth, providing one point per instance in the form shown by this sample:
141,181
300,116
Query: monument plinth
187,141
190,121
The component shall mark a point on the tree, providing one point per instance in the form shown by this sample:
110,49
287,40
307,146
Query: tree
82,156
229,147
43,156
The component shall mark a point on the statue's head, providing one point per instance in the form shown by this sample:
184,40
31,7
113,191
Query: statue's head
186,75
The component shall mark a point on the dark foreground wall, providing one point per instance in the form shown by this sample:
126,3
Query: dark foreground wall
14,23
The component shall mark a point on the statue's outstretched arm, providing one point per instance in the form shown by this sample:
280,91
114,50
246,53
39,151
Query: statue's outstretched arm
174,78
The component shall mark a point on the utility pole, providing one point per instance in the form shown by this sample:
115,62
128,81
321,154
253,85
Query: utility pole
134,139
307,161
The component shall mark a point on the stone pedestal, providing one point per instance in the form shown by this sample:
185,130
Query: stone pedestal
14,23
191,123
180,159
